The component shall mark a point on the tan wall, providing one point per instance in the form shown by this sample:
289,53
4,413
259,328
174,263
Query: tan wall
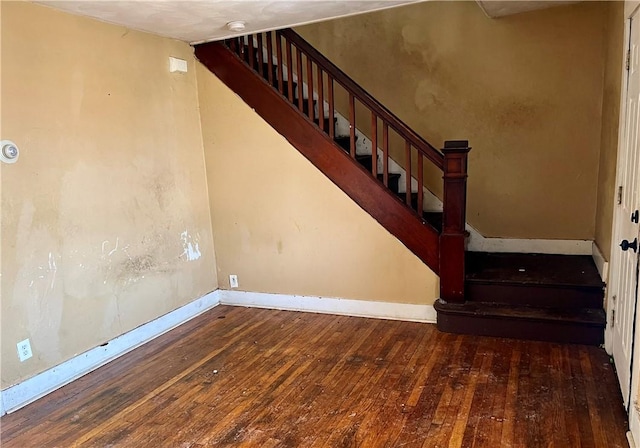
283,227
110,177
614,44
525,90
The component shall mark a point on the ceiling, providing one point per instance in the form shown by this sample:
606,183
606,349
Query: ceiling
197,21
204,20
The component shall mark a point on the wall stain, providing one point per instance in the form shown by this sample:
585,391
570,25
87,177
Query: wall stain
137,266
516,112
162,187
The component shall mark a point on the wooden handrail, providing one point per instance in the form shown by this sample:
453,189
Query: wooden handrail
428,150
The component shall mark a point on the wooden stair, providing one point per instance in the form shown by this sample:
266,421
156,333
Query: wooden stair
532,296
557,298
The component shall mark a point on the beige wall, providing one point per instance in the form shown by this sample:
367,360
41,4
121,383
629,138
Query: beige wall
283,227
614,44
525,90
105,219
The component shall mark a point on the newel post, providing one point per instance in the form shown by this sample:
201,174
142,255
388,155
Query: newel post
454,204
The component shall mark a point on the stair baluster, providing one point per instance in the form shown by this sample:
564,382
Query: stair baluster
270,58
310,89
374,146
408,171
420,173
352,125
279,63
289,71
385,153
321,98
332,112
300,78
260,55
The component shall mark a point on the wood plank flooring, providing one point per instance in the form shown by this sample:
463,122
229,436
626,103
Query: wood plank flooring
261,378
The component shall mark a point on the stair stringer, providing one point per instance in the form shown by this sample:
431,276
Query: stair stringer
319,149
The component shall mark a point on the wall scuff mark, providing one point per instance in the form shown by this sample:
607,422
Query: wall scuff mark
191,246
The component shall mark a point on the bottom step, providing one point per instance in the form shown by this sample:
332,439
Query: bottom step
575,326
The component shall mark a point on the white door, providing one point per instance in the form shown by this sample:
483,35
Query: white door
624,255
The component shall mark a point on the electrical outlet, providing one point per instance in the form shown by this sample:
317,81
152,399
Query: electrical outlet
24,350
233,281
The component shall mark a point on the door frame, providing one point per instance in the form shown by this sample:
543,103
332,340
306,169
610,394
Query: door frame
630,7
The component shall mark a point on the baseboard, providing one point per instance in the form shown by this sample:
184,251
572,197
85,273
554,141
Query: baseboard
325,305
478,243
601,263
20,395
634,425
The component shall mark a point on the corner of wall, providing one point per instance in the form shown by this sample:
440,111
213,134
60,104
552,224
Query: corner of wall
196,67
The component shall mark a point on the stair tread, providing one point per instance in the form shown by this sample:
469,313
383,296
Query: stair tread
403,197
585,316
344,141
532,269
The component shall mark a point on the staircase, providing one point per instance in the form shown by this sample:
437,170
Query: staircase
327,117
556,298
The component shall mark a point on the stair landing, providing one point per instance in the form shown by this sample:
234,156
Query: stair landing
556,298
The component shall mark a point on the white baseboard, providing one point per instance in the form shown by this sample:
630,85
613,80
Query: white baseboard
313,304
634,426
19,395
601,263
478,243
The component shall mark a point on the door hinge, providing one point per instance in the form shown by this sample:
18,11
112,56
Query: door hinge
613,318
628,62
619,194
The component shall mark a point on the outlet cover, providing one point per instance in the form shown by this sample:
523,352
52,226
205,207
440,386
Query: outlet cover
233,281
24,350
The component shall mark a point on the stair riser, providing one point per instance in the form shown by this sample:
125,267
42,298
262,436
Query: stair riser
539,296
344,143
327,123
392,182
285,88
522,329
414,199
365,161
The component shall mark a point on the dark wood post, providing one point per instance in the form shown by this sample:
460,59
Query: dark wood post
454,204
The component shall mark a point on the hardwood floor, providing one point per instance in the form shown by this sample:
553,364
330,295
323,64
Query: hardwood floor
250,377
